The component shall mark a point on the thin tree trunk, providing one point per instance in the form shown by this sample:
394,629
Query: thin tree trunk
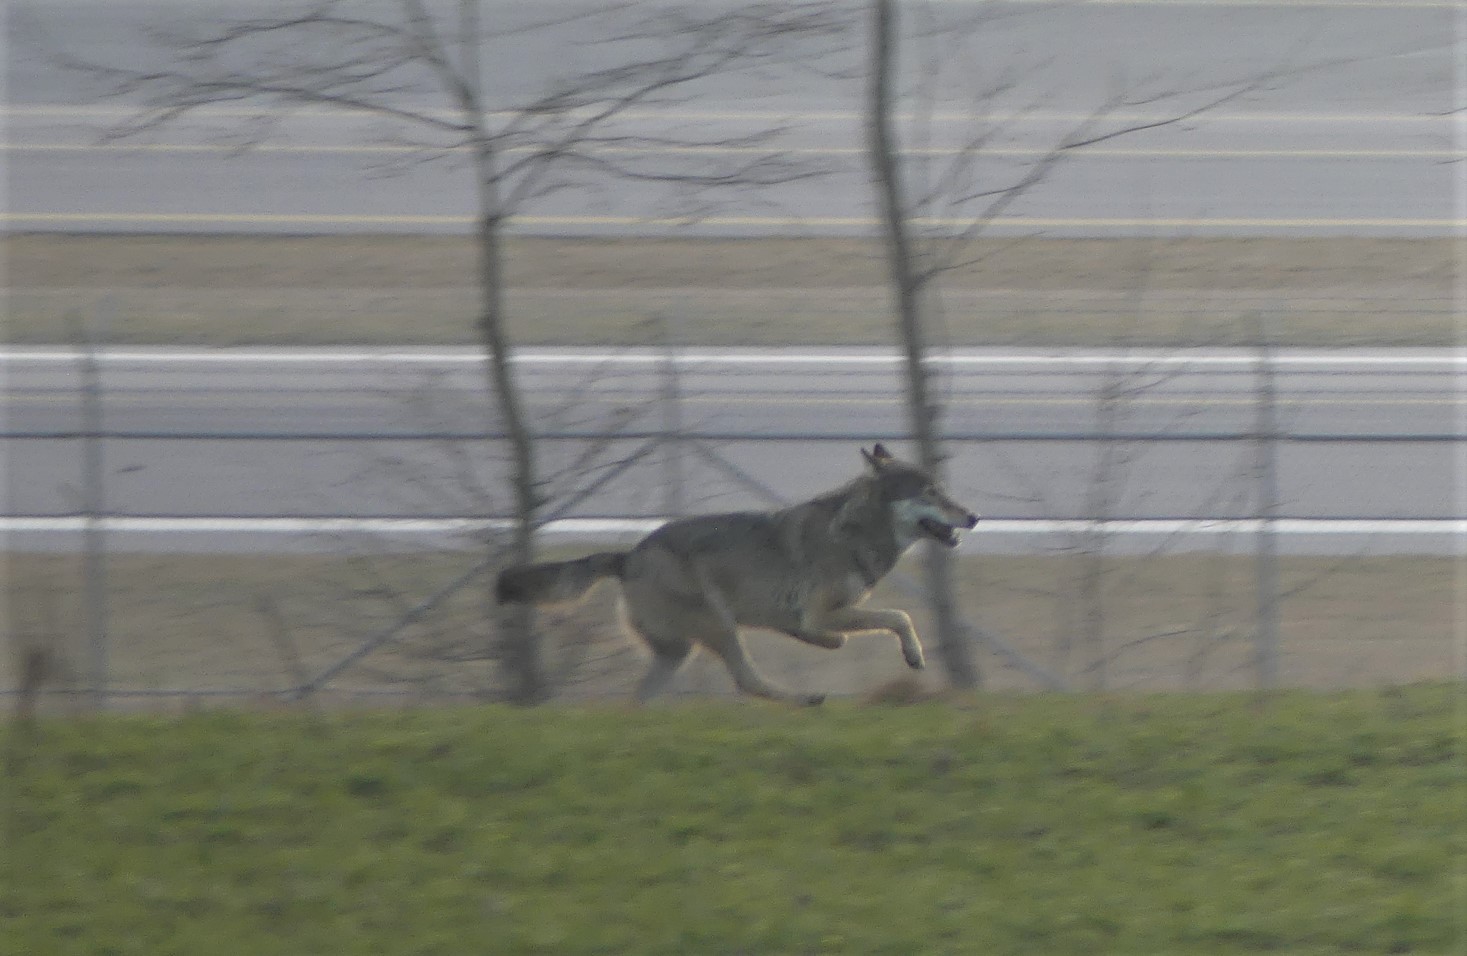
953,647
519,652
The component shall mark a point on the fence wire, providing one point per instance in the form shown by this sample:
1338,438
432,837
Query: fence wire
370,620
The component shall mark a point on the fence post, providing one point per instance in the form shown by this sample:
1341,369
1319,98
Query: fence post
90,338
1266,646
674,488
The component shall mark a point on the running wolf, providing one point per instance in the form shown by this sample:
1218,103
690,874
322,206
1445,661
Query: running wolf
802,571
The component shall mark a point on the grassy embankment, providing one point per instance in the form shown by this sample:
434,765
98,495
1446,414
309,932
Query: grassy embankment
1182,824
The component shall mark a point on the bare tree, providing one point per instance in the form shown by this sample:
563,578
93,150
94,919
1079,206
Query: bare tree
909,285
447,648
423,68
932,210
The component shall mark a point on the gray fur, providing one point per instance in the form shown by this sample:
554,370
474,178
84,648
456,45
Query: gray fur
802,571
556,581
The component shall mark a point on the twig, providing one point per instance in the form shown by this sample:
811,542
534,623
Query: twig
285,645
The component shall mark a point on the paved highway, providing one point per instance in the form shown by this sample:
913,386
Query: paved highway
1358,131
789,394
1353,133
1052,436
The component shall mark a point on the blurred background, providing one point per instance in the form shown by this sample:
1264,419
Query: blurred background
319,312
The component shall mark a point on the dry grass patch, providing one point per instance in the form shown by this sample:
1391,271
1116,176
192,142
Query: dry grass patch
1175,622
263,290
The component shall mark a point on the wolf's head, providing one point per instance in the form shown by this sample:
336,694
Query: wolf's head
918,506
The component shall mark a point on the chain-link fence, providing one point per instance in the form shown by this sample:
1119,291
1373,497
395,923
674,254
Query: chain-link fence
1075,586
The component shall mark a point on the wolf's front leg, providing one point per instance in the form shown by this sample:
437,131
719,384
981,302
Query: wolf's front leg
875,619
830,640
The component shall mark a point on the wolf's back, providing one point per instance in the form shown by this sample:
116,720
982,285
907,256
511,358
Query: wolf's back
553,581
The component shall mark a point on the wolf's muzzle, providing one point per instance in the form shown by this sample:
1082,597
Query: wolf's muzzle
944,533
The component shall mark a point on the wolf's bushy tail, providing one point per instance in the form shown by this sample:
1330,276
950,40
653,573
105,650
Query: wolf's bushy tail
556,580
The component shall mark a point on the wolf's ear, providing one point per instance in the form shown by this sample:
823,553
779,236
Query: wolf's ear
877,456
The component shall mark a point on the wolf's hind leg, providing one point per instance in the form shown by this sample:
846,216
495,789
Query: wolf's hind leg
669,652
660,672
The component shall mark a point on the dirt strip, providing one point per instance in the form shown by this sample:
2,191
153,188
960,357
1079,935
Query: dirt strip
221,290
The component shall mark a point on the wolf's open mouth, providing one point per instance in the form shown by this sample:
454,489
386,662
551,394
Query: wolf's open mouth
938,531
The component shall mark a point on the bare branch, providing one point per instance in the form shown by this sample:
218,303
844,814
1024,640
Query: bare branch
421,69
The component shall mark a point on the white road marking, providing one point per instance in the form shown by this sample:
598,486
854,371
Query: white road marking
73,112
1092,152
597,528
1443,359
445,221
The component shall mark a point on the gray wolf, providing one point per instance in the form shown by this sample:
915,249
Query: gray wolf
801,571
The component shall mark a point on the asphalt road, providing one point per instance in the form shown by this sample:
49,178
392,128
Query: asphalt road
786,394
258,433
1352,132
1356,130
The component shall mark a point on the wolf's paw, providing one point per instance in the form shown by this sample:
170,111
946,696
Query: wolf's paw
914,658
813,700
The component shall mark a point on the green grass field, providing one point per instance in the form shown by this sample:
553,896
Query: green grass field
1306,823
